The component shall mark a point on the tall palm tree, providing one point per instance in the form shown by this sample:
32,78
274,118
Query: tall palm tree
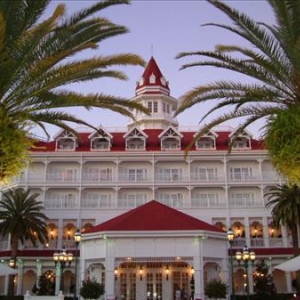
39,57
272,62
22,219
285,203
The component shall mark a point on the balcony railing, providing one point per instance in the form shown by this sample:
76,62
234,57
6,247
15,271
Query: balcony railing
236,203
207,203
54,203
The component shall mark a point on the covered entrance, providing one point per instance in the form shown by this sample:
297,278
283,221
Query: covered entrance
154,280
154,252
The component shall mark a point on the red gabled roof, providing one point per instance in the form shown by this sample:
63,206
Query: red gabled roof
153,216
153,142
152,69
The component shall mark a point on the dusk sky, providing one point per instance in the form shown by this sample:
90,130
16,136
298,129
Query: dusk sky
163,29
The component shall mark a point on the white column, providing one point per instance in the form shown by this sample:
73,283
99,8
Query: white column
20,277
109,270
198,268
57,278
288,279
38,272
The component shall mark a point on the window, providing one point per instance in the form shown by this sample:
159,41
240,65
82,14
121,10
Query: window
60,201
205,200
100,144
240,143
98,174
170,174
170,144
152,106
241,173
242,199
171,199
96,200
207,174
205,143
132,200
60,174
137,174
135,144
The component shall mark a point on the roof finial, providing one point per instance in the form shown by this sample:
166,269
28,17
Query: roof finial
152,50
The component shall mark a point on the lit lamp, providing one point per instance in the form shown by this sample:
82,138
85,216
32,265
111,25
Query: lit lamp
116,274
63,258
230,238
141,273
167,272
246,256
77,238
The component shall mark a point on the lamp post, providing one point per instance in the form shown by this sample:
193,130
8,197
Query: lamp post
230,237
246,256
62,257
77,238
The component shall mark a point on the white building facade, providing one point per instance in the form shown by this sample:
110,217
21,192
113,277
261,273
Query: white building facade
90,180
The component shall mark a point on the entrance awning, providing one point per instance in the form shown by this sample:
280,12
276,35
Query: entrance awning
290,265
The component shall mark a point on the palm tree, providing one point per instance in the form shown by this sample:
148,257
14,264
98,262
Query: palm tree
22,219
39,57
285,203
272,61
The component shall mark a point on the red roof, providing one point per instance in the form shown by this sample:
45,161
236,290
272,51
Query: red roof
152,142
152,69
153,216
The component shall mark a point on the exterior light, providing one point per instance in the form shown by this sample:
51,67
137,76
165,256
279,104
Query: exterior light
167,272
230,235
141,273
116,274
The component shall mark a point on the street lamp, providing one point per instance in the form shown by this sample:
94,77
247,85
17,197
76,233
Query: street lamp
230,237
246,256
77,238
63,258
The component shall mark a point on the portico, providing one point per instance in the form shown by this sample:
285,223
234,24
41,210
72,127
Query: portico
152,251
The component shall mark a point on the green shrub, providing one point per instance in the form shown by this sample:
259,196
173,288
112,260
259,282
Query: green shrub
91,289
216,289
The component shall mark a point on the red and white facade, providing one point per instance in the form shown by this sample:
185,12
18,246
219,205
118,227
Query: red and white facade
106,174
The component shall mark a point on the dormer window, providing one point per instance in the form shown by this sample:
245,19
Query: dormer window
241,143
135,140
170,139
152,78
100,144
240,139
66,141
170,143
135,144
206,143
141,81
100,140
163,81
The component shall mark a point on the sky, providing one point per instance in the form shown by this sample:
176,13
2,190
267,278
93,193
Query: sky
164,29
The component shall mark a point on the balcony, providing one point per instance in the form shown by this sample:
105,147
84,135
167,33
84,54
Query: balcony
207,203
243,203
56,203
